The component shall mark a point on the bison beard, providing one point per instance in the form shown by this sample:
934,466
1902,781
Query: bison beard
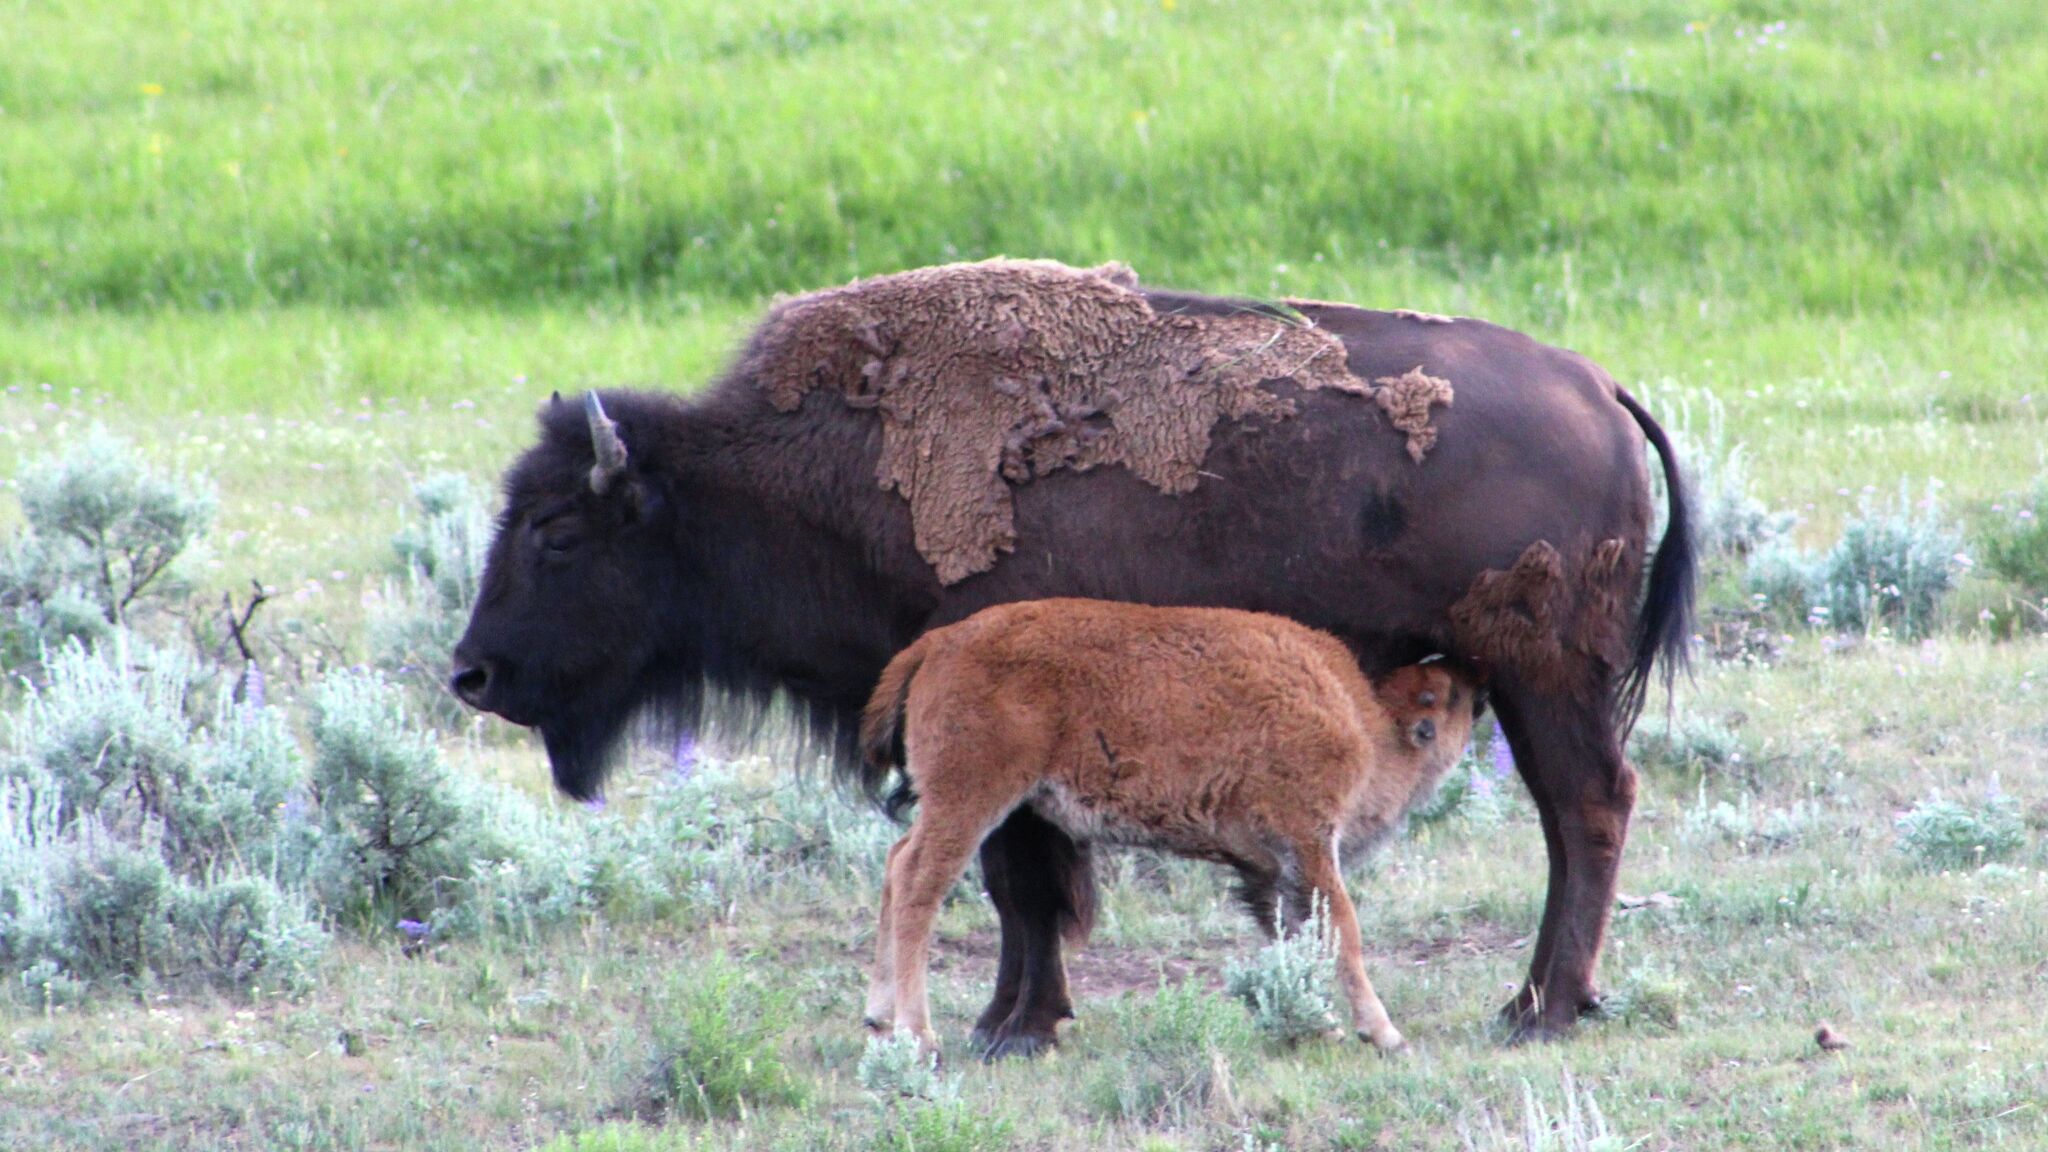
764,540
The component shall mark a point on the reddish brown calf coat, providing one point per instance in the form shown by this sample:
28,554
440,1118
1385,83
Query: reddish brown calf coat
1230,736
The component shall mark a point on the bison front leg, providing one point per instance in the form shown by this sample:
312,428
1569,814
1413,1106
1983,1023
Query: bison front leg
1568,754
1038,879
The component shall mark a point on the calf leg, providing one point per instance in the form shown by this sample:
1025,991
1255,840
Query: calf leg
934,855
1567,752
881,1009
1041,883
1368,1016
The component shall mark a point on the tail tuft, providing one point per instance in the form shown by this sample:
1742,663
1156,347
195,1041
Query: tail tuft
1664,624
882,756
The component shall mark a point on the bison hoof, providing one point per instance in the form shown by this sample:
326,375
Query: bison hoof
1003,1044
1522,1028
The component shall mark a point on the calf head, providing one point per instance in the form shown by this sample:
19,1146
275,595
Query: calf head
1431,707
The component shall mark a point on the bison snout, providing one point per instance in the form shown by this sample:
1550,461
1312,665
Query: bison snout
471,683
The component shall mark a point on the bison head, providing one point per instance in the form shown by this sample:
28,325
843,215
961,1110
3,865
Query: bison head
580,622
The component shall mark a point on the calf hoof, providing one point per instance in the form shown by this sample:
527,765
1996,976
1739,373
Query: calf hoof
875,1027
1388,1041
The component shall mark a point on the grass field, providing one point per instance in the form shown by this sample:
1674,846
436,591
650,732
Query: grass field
317,251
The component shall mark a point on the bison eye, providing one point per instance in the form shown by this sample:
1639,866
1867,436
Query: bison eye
559,541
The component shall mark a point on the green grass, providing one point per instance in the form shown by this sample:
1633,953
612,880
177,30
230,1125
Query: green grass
285,209
1720,985
208,156
317,251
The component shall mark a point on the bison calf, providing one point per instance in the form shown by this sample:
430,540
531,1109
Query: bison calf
1225,735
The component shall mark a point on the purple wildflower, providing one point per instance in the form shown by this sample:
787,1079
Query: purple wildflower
1503,756
416,933
252,686
685,758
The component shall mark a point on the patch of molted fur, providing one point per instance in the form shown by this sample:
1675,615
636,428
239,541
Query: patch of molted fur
1425,317
1512,619
996,373
1605,582
1407,399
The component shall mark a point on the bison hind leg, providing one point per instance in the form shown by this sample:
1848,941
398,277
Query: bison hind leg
1275,892
1042,883
1258,891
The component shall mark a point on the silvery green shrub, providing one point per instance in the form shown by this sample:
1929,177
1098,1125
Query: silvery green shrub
713,836
2014,540
402,837
896,1067
1689,742
34,856
1749,824
1729,522
244,930
104,910
439,556
114,910
1287,983
1891,568
529,868
142,740
1781,580
103,531
391,839
1944,833
150,830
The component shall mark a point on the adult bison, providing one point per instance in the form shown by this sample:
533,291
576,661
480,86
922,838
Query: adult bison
894,455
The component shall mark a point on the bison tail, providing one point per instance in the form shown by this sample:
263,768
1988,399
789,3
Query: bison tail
1664,626
881,733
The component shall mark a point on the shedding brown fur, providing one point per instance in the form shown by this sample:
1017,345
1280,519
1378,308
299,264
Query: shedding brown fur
1407,399
1213,733
1606,582
1007,370
1509,618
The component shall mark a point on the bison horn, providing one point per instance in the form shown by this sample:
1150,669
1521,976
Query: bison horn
604,438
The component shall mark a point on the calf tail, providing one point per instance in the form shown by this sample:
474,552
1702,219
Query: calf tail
881,733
